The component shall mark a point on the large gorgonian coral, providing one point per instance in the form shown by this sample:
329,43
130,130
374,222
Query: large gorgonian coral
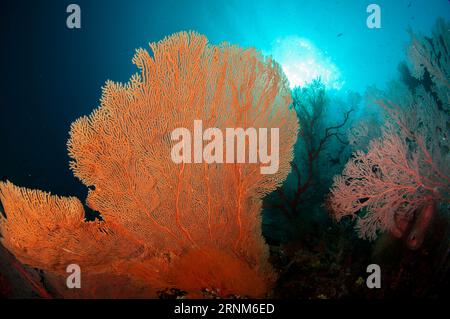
190,226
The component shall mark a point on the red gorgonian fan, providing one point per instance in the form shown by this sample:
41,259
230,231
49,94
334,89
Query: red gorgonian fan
189,226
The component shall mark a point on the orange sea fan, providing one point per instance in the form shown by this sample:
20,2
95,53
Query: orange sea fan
169,215
49,232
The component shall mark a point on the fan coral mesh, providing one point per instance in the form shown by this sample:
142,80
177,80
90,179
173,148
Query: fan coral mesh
179,222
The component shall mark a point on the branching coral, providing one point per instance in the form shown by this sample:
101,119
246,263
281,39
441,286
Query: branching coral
405,173
49,232
388,183
402,173
432,54
180,222
312,150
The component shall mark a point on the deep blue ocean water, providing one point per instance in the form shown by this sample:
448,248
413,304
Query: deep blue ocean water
51,75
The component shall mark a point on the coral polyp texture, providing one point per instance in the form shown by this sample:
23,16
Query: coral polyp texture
164,225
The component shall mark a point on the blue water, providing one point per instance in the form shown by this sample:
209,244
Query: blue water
52,75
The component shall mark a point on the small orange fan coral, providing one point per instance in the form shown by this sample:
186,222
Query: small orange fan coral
45,231
190,226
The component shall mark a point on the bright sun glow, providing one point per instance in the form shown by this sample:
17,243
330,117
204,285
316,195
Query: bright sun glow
302,62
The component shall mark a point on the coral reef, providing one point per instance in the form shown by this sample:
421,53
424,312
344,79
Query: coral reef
403,178
186,226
